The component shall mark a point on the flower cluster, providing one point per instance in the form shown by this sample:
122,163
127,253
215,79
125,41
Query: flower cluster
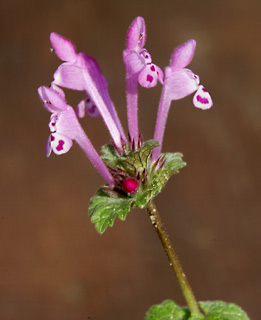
81,72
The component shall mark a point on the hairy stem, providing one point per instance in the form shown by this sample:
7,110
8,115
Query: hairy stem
173,258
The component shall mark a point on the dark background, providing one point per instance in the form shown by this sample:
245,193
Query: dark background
53,264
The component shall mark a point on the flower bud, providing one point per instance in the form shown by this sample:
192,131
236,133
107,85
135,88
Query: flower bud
130,185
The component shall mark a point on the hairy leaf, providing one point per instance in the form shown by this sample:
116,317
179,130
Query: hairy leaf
219,310
166,311
105,207
107,204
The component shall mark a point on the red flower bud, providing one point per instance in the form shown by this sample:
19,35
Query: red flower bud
130,185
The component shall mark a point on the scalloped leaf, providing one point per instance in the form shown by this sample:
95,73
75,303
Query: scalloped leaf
167,310
220,310
105,207
173,162
214,310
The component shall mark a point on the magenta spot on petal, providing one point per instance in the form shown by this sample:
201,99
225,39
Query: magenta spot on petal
202,100
52,138
130,185
152,68
149,78
60,145
203,89
146,56
92,109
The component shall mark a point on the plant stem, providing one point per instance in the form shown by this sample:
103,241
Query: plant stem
173,258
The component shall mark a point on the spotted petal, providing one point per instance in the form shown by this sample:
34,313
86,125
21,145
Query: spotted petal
59,143
202,99
150,75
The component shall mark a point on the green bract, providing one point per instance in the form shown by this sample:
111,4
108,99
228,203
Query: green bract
152,177
214,310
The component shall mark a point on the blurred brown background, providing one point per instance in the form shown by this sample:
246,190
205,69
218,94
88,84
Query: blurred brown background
53,264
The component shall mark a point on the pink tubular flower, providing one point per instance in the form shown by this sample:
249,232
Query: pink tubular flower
137,59
81,72
139,69
65,128
179,83
60,140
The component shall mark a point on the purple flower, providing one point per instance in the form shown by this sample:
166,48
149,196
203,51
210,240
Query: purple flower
65,128
139,69
63,122
137,59
81,72
179,83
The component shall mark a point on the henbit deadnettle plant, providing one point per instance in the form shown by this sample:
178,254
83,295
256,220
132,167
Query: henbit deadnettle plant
134,171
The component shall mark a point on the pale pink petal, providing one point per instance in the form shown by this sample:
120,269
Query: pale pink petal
202,99
183,55
58,89
81,109
60,144
180,84
69,76
53,100
64,48
134,63
136,34
67,123
160,74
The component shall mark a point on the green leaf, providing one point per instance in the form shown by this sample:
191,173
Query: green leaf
219,310
173,162
157,177
107,204
168,310
196,316
140,159
146,150
214,310
105,207
109,154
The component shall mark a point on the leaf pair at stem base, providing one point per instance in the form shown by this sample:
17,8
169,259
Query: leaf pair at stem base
214,310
